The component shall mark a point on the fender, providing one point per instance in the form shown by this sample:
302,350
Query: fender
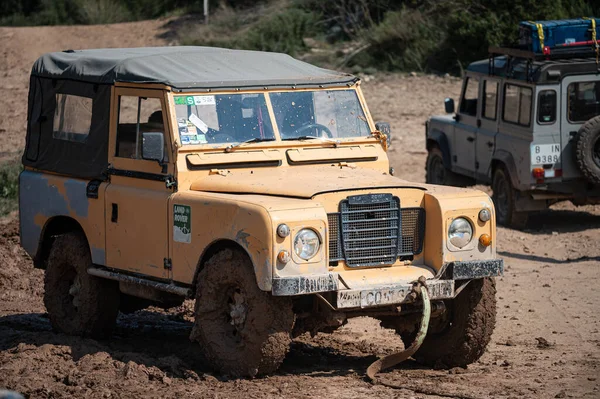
439,138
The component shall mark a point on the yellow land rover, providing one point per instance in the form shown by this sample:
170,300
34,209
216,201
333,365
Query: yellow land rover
254,183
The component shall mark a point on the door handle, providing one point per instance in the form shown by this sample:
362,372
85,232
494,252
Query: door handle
470,139
490,144
114,215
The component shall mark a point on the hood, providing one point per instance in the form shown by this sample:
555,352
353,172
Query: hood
298,182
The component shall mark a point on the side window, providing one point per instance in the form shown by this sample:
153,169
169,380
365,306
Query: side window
490,99
517,104
547,107
136,116
584,101
72,118
468,104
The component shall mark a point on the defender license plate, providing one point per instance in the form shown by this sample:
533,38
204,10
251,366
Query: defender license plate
383,297
542,154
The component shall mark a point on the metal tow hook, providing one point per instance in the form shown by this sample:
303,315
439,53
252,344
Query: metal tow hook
419,289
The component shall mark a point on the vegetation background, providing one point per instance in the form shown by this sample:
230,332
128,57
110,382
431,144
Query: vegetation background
363,36
439,36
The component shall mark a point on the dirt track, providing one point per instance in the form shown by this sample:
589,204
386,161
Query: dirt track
546,343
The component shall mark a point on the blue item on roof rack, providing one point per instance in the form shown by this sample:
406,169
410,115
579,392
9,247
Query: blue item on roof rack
542,37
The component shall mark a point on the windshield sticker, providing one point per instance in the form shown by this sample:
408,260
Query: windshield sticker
195,100
199,123
182,223
204,100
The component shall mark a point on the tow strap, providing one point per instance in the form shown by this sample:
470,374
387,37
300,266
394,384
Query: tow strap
419,289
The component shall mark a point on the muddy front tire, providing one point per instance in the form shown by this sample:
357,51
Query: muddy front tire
466,331
241,330
437,173
78,303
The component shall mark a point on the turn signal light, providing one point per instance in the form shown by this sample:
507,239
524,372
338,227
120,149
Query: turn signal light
284,257
485,240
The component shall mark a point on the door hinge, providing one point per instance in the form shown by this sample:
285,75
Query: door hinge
171,182
476,165
168,264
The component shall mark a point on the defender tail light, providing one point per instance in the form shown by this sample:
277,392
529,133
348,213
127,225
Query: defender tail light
538,174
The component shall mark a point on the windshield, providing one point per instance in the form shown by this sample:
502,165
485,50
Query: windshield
239,118
324,113
224,118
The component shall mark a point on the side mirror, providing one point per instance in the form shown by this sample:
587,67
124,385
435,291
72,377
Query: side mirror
449,105
385,128
153,146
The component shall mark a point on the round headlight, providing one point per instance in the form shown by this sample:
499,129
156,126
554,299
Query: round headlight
460,232
306,244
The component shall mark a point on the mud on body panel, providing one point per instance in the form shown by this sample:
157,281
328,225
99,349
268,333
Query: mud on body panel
44,197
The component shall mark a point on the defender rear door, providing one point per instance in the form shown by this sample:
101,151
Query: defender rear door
580,97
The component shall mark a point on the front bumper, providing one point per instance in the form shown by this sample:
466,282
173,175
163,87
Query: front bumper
440,287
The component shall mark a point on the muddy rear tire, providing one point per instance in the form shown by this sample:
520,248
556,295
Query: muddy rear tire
466,331
242,331
505,197
78,303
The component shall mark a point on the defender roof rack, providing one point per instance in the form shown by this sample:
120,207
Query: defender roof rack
516,54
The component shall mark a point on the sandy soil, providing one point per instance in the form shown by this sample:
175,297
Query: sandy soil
546,343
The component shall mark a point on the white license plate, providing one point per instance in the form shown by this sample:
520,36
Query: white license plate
542,154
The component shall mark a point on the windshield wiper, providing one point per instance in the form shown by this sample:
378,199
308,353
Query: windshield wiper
254,140
323,139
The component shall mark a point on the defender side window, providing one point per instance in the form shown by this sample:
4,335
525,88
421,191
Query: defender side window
583,101
72,118
547,107
490,99
517,104
136,116
468,104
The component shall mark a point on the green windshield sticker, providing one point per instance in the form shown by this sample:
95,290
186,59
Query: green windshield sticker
180,100
182,223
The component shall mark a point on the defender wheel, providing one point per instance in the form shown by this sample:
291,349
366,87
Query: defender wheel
437,173
78,303
466,330
587,150
504,197
242,330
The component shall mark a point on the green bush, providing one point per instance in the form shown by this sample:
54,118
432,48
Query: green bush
9,186
282,32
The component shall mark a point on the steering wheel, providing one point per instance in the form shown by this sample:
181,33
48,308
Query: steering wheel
312,126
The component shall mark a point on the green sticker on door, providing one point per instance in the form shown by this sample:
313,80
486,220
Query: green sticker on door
182,223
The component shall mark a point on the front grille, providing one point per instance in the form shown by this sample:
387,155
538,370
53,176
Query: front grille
372,230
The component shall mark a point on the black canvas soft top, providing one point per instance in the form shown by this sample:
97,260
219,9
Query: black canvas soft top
187,67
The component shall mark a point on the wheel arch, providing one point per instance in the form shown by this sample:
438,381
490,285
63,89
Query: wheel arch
213,248
437,138
54,226
505,159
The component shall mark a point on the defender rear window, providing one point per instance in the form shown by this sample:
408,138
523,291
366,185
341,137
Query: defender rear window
72,118
490,99
517,104
583,101
547,107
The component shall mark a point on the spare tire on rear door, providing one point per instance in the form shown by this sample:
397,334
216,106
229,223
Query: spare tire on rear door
587,150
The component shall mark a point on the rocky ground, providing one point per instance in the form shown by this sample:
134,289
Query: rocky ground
546,343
